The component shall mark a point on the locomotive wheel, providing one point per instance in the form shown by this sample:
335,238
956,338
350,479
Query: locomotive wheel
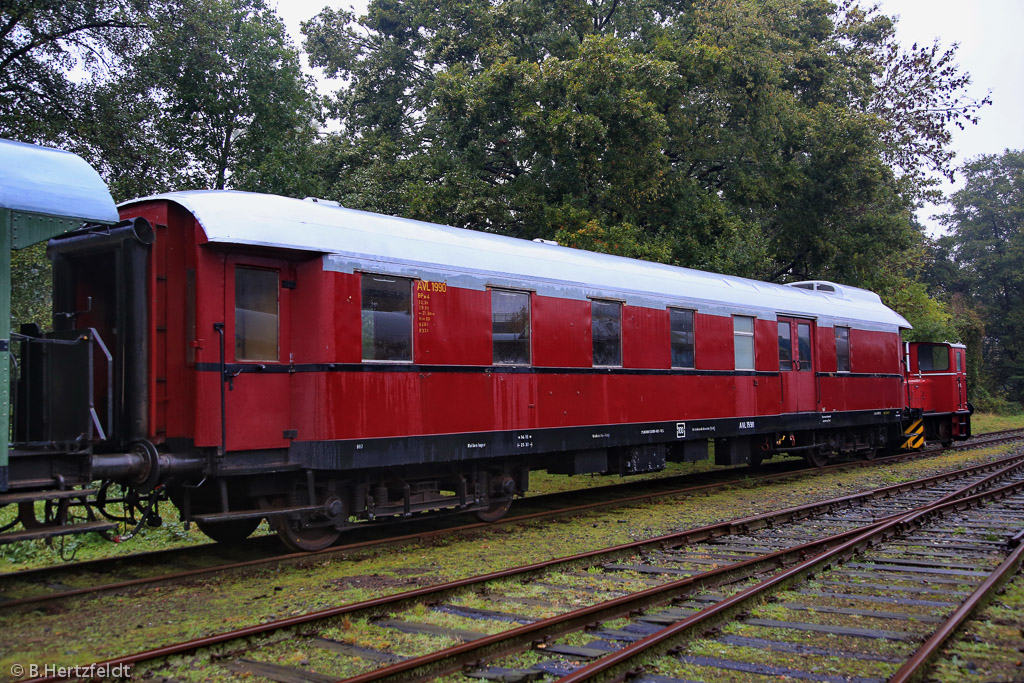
494,511
945,434
229,533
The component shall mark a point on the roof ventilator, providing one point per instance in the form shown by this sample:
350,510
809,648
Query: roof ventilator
325,202
818,286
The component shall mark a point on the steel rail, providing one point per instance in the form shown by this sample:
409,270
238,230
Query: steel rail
292,558
401,600
916,665
617,665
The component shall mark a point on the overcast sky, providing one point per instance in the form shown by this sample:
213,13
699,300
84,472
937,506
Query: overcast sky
991,50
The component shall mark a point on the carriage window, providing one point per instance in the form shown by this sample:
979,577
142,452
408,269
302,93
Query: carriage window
387,318
681,330
932,358
743,341
256,314
959,362
803,345
842,349
606,332
785,346
510,327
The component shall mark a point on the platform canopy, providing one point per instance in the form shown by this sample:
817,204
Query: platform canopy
49,192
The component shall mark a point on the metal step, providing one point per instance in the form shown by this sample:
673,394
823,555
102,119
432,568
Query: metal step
32,496
52,531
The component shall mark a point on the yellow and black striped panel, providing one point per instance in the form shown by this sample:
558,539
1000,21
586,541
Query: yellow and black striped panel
913,438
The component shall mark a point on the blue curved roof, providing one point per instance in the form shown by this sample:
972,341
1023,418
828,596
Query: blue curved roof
359,240
52,182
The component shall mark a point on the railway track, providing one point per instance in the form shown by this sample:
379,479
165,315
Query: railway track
633,583
32,588
897,588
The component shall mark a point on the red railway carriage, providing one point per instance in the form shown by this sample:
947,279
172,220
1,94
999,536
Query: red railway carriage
315,365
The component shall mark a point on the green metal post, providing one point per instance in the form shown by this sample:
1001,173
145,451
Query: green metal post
43,192
5,343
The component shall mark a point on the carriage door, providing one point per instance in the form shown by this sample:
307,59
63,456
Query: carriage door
961,378
796,365
258,400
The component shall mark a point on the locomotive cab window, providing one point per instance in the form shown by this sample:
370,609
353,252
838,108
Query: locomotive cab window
932,358
681,331
743,341
606,332
387,318
510,327
842,349
256,314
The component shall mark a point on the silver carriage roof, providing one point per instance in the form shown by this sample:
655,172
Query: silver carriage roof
52,182
359,240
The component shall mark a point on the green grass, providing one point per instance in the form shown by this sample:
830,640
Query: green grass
988,647
990,422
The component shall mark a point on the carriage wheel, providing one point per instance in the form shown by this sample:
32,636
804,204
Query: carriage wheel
817,457
305,539
503,488
229,533
294,535
495,511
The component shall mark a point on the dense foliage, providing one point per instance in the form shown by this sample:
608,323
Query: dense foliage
981,262
158,95
42,44
780,140
161,94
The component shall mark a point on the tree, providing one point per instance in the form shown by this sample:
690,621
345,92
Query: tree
184,94
42,43
217,99
986,248
756,138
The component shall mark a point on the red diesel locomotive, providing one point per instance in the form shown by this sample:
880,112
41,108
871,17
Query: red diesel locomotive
256,356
